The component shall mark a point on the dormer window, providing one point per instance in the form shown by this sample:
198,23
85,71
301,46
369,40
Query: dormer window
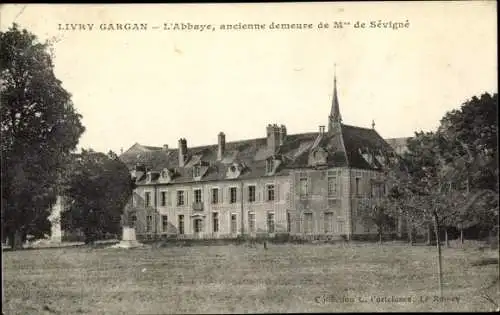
380,158
318,157
367,155
235,170
148,177
199,169
164,174
269,165
196,171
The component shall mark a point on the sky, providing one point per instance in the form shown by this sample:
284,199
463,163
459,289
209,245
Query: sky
155,86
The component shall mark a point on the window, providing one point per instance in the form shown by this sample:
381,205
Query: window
233,224
270,192
215,195
328,222
298,224
378,190
357,187
270,222
232,195
341,227
180,197
147,199
164,223
149,223
251,222
251,193
181,224
196,171
303,187
269,166
288,222
215,220
332,186
308,222
197,195
198,225
163,198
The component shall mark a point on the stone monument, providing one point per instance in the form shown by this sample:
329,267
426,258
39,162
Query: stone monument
55,220
129,239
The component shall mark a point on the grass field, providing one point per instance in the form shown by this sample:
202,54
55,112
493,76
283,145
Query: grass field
245,279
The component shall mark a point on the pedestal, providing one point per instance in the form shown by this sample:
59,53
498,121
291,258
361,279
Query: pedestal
128,234
128,239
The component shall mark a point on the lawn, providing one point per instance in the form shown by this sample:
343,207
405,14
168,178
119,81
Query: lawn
245,279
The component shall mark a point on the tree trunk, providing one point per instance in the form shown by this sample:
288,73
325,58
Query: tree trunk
446,237
429,234
438,244
410,234
461,235
379,236
16,240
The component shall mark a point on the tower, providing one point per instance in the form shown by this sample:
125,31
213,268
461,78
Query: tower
335,119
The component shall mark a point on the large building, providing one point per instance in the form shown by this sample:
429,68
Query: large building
307,184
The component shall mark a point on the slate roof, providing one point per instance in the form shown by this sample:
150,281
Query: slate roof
342,150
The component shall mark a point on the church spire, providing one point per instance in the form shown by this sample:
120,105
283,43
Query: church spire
334,118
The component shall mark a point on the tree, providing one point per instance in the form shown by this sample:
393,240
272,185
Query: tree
468,143
428,187
98,190
378,212
39,128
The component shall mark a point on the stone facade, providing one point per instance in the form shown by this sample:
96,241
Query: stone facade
220,211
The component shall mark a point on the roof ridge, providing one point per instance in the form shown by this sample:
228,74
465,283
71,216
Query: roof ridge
229,142
356,127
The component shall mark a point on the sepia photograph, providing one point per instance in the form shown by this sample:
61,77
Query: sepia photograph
211,158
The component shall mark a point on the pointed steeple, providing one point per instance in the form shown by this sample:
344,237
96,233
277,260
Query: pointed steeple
335,118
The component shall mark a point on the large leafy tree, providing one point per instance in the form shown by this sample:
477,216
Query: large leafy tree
97,192
39,128
468,144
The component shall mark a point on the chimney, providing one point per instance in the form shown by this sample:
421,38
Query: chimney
273,137
321,130
222,146
282,134
182,151
165,147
